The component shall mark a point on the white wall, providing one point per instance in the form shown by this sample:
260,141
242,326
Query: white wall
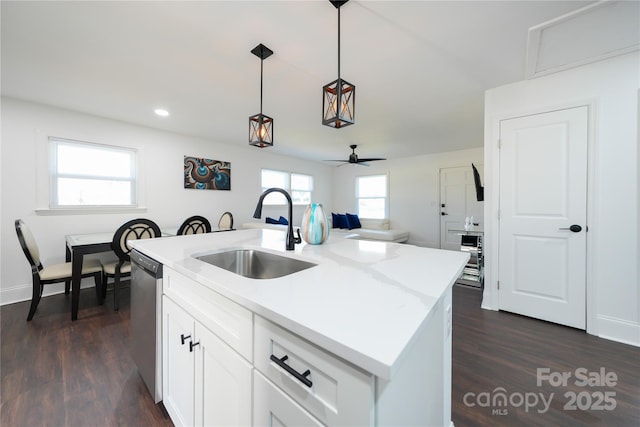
25,127
414,190
611,88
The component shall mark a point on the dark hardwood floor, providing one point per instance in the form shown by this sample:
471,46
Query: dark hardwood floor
61,373
497,349
56,372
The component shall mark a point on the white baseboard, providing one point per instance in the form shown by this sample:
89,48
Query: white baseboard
619,330
21,293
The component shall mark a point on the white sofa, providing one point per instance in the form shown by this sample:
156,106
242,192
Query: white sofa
375,229
371,230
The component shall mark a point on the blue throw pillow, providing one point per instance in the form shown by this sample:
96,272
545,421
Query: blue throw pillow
338,220
342,221
282,220
335,220
353,221
272,221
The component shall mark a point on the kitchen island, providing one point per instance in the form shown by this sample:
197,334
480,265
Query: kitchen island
361,338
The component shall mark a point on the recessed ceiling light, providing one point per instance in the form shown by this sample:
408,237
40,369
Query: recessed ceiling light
161,112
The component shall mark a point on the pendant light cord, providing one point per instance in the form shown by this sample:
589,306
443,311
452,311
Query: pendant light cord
338,43
261,63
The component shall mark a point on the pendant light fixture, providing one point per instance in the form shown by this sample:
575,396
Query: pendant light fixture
261,126
339,96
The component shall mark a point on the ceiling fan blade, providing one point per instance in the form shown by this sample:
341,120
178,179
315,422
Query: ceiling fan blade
354,159
371,159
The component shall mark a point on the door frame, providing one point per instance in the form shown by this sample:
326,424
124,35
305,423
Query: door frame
491,295
440,208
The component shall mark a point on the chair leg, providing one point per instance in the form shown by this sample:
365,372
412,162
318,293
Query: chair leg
67,286
104,286
35,298
116,285
97,278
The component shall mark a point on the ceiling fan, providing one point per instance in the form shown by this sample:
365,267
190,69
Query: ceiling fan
353,158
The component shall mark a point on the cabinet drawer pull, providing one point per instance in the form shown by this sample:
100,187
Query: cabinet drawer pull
300,377
184,337
192,344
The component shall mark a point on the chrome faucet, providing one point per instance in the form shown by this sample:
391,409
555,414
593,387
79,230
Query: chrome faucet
290,239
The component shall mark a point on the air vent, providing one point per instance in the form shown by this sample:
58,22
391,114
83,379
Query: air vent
599,31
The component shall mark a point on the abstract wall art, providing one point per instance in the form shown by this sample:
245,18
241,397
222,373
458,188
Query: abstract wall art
206,174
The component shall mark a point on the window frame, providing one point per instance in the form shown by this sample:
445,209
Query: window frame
385,197
54,175
287,187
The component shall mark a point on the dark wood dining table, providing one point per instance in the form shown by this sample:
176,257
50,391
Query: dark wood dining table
77,246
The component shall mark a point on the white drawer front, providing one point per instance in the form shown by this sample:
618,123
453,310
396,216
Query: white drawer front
338,393
229,321
273,408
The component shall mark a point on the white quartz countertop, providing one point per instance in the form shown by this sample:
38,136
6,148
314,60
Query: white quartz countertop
364,301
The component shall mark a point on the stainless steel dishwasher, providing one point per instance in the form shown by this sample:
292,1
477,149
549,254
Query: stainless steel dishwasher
146,320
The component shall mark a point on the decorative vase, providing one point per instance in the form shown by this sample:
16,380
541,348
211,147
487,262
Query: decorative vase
314,226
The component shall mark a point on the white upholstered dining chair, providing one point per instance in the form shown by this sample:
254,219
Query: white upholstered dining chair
226,221
55,273
194,225
135,229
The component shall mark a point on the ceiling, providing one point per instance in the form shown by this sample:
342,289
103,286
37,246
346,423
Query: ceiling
420,67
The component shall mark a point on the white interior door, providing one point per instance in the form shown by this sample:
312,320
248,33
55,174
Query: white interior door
457,201
543,193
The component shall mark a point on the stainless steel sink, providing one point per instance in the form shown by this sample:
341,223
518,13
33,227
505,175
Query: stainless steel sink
255,264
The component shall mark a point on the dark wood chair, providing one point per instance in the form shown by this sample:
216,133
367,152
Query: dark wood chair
55,273
194,225
135,229
226,222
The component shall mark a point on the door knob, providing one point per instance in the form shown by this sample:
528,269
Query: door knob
443,213
575,228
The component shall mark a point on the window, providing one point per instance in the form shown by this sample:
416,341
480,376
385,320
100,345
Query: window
371,196
298,185
91,175
301,187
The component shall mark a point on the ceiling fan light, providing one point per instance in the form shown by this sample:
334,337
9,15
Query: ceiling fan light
261,131
338,104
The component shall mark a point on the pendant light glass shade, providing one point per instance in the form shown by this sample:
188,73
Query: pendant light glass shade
261,131
260,125
339,96
338,103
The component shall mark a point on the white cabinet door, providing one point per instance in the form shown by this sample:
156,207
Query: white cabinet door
223,383
273,408
178,363
206,383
